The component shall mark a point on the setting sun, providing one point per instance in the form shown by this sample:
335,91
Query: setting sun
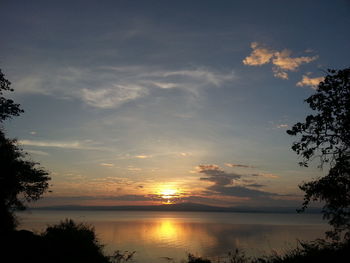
168,193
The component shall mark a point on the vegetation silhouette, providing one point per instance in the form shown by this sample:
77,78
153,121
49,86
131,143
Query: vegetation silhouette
66,242
21,180
312,252
326,135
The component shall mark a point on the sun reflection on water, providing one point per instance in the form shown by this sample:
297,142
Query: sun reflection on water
166,230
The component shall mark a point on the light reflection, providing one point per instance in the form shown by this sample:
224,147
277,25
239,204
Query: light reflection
158,234
162,232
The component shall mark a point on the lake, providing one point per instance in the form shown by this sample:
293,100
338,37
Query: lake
156,236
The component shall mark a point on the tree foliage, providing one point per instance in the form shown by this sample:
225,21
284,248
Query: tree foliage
21,180
72,242
7,106
326,135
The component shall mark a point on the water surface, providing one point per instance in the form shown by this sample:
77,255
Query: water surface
159,235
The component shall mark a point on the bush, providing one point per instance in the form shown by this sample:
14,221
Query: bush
71,242
66,242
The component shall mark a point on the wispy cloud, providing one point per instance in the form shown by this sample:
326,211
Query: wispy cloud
38,152
281,60
111,87
112,97
143,156
57,144
107,164
311,82
282,126
236,165
266,175
83,145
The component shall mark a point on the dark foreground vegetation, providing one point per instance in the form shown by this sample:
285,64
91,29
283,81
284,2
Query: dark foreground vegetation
66,242
317,251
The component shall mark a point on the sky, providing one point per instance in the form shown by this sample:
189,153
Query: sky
159,102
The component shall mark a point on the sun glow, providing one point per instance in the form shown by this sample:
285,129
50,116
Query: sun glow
168,193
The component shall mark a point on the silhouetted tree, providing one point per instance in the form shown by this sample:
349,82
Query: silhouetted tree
7,106
71,242
326,135
21,180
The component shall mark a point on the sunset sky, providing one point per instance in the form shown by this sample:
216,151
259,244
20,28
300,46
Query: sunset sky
149,102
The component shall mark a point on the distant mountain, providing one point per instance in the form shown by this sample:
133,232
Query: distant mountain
184,207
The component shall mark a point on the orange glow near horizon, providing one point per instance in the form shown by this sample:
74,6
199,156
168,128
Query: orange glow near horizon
169,193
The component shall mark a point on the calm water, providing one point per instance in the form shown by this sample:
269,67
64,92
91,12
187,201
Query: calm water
155,235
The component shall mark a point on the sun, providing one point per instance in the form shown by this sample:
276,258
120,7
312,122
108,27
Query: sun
168,193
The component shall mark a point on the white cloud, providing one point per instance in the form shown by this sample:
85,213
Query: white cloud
111,87
62,144
164,85
112,97
281,60
312,82
71,145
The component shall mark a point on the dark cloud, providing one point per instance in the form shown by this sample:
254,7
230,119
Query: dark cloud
128,198
234,165
231,184
216,175
255,185
239,191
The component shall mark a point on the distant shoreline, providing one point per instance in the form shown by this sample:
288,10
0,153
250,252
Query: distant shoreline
185,207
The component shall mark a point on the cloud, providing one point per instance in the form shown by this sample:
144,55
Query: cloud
107,164
85,145
112,97
239,191
259,55
281,60
134,169
56,144
216,175
38,152
284,61
111,87
312,82
235,165
230,184
282,126
255,185
143,156
278,73
266,175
